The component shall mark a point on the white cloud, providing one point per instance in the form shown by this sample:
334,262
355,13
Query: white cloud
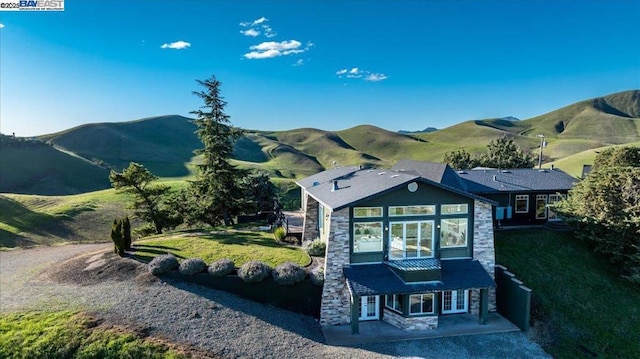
254,22
357,73
178,45
270,49
250,32
268,31
1,26
375,77
300,62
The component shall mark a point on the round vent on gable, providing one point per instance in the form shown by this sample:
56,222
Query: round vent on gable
412,187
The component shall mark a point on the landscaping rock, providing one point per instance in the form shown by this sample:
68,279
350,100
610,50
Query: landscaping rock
163,264
221,267
192,266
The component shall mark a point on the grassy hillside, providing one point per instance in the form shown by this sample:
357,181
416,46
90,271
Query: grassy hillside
36,168
580,307
573,164
162,144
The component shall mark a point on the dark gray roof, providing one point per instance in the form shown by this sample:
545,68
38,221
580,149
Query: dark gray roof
483,181
379,279
356,186
326,176
436,172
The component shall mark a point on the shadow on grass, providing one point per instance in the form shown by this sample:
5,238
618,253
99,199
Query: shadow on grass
242,238
18,216
147,253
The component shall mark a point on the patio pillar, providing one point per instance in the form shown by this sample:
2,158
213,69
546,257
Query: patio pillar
484,305
355,320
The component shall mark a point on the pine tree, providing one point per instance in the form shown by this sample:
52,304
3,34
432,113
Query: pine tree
216,193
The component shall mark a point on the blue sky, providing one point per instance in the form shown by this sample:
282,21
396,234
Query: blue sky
324,64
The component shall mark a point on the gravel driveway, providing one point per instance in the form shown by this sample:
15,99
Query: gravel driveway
215,322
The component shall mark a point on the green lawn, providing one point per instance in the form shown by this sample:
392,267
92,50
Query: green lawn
236,244
581,308
71,335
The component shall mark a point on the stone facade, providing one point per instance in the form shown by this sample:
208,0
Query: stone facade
411,323
310,226
335,308
483,249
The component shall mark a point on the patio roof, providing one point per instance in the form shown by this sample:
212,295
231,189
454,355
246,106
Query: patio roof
379,279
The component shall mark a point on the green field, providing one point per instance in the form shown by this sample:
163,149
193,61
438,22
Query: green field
44,335
239,245
580,307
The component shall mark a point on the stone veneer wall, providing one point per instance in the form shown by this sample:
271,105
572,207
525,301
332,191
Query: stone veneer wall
336,301
411,323
310,226
483,250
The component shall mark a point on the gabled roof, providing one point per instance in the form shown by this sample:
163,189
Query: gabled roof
326,176
483,181
359,185
436,172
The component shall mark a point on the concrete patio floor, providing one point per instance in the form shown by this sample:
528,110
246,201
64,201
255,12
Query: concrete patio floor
450,325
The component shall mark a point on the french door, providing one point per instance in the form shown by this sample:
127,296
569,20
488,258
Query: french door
369,307
455,301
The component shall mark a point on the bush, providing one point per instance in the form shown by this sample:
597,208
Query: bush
221,267
163,264
116,237
192,266
280,233
317,276
254,271
126,233
146,230
288,273
315,248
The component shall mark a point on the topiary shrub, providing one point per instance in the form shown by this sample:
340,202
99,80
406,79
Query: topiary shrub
192,266
288,273
315,248
163,264
116,237
254,271
317,276
126,233
221,267
280,233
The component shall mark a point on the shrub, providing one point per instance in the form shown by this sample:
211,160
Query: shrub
126,233
192,266
315,248
317,276
221,267
254,271
280,233
288,273
116,237
163,264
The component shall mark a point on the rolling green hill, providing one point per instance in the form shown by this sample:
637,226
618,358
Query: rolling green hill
165,145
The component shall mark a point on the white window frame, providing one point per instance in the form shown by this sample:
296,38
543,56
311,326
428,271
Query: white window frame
466,233
365,302
419,239
455,300
520,197
422,296
462,205
355,209
557,197
368,250
538,198
430,207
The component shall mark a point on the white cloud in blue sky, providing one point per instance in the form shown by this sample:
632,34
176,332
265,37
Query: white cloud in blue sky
177,45
257,27
356,73
1,25
250,32
270,49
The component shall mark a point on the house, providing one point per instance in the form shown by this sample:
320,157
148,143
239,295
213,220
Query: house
523,195
402,246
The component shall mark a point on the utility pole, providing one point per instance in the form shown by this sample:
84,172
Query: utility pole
541,146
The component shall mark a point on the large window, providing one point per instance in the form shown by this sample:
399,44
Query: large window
427,210
395,302
421,304
453,232
454,208
522,203
411,240
541,206
360,212
367,237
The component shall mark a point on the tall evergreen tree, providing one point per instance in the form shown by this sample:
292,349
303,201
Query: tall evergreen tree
504,153
216,191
